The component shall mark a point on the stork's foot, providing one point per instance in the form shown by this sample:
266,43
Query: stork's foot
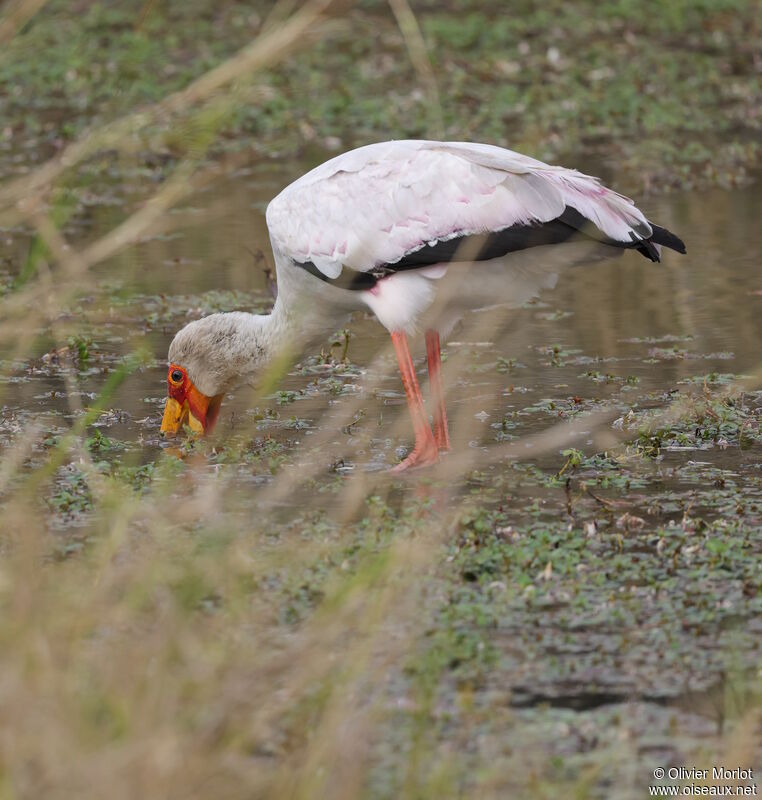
424,454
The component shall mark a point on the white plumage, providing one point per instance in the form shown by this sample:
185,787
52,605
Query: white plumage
415,231
376,204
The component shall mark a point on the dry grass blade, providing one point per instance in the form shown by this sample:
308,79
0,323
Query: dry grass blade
419,56
16,15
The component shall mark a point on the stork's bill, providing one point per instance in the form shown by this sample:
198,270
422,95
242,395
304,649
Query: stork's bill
186,405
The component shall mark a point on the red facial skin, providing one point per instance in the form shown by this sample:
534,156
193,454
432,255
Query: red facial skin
204,409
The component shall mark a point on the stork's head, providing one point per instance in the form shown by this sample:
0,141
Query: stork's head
206,358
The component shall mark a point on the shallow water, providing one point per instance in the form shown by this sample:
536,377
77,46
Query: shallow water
622,330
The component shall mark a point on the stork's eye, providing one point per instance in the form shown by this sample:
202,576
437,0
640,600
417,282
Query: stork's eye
176,375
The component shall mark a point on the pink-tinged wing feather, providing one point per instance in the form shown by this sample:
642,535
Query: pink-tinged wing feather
376,204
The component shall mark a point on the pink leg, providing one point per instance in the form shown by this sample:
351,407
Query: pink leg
434,357
425,448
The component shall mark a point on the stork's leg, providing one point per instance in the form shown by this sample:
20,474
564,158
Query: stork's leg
425,449
434,358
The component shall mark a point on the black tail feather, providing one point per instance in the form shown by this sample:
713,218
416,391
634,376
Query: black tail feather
647,248
667,238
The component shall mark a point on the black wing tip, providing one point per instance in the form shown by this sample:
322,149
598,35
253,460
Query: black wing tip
667,238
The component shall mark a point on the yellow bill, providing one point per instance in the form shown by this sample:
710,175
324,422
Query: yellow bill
176,415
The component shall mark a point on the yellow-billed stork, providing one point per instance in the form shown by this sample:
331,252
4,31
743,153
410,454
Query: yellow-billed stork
388,227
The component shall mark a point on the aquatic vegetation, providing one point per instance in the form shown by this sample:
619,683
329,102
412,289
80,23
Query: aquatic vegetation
700,421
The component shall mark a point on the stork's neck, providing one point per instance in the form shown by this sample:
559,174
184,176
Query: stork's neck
296,321
267,335
223,350
304,312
